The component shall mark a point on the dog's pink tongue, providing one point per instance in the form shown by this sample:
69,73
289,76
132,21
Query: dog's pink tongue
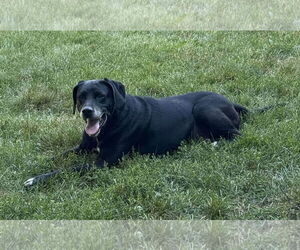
92,127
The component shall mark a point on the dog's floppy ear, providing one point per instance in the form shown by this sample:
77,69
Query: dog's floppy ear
118,93
75,89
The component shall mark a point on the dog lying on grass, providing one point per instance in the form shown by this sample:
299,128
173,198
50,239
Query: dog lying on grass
117,123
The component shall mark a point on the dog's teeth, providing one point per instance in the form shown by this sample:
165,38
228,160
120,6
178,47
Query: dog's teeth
29,182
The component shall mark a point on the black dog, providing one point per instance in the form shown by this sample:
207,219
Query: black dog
117,123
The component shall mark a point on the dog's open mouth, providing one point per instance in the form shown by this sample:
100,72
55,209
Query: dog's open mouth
93,126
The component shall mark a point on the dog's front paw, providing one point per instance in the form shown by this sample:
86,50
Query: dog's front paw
30,182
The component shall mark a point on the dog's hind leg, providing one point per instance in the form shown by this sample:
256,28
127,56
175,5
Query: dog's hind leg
217,124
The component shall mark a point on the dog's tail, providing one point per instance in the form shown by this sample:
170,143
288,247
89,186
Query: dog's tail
244,111
241,110
264,109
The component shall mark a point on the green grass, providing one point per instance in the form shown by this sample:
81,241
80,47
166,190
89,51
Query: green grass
149,15
255,177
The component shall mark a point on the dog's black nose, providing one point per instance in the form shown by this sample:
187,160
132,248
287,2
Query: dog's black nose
87,111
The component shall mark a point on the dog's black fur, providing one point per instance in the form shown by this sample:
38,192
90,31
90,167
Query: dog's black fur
147,125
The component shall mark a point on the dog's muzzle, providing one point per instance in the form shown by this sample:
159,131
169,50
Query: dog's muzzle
95,119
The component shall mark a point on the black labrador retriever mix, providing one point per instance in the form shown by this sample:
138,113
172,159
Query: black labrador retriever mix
117,123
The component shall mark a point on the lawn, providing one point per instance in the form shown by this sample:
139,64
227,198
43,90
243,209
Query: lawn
257,176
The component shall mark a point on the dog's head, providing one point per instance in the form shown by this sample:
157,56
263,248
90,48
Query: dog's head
97,100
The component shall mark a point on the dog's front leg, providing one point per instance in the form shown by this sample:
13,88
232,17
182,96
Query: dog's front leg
109,155
112,155
87,145
86,167
99,163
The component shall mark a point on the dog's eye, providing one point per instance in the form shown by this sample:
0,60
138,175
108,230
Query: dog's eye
82,96
100,98
80,101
